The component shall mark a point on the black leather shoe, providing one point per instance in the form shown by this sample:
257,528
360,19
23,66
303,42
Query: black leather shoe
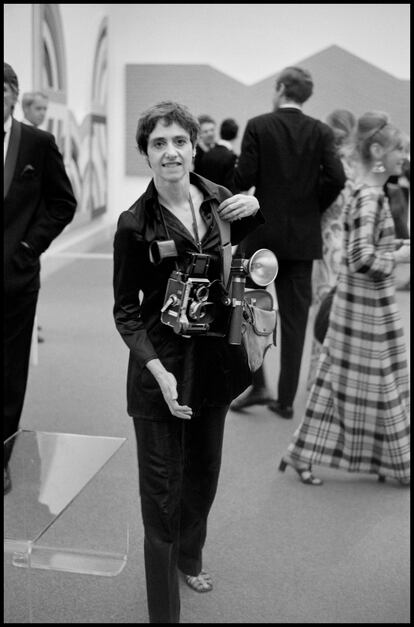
7,481
284,411
258,396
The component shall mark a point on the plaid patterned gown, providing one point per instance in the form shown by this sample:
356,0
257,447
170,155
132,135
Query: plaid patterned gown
357,414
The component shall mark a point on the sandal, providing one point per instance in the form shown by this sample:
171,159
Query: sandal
305,474
200,583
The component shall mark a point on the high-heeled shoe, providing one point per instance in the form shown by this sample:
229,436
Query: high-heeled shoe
305,474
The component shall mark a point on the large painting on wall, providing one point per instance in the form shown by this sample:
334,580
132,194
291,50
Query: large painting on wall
83,144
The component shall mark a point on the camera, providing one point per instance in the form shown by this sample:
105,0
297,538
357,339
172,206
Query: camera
187,308
194,305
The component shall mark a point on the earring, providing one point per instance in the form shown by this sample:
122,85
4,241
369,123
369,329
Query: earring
378,167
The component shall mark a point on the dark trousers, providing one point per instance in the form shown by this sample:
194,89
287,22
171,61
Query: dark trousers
293,285
19,314
179,464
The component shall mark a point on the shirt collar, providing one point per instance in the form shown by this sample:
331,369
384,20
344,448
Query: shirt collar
208,189
291,105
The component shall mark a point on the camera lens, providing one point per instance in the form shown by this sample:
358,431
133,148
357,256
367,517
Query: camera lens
201,293
197,311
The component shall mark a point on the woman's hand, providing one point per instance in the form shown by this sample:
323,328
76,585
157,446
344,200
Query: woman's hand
168,386
237,207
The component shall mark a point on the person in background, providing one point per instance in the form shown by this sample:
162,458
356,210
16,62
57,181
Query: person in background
405,178
325,271
397,190
404,183
206,141
229,130
291,160
213,161
38,204
34,105
179,387
357,416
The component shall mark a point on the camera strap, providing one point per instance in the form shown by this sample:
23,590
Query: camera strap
225,245
225,241
167,232
195,227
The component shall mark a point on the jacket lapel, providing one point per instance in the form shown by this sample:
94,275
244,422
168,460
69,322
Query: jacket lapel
11,156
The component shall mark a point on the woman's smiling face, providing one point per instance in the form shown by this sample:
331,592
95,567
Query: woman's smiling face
170,152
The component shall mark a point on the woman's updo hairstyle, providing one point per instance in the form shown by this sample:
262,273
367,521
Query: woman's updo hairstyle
374,127
343,123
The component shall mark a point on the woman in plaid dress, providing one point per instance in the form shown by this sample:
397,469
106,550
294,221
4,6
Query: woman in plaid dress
357,414
325,271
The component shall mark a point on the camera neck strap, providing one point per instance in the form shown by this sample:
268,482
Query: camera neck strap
225,245
225,241
167,231
195,227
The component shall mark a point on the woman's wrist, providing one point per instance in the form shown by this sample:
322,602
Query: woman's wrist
156,368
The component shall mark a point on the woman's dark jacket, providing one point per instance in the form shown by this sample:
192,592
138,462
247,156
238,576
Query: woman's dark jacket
208,369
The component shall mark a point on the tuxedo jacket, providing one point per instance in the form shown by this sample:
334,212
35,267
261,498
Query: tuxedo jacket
38,204
291,160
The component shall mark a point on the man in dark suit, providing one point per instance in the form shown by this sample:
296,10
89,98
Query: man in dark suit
218,165
291,161
213,161
38,204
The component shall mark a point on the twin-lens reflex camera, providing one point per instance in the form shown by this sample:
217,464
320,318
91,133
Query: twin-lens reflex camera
194,305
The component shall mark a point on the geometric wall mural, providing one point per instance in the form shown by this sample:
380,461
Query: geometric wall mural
97,165
341,80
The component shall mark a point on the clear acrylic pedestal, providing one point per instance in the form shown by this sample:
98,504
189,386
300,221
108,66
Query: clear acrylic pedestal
56,514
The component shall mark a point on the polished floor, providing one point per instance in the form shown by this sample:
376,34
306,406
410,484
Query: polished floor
278,551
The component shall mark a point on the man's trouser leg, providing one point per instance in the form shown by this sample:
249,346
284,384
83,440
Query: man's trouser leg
294,295
19,315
